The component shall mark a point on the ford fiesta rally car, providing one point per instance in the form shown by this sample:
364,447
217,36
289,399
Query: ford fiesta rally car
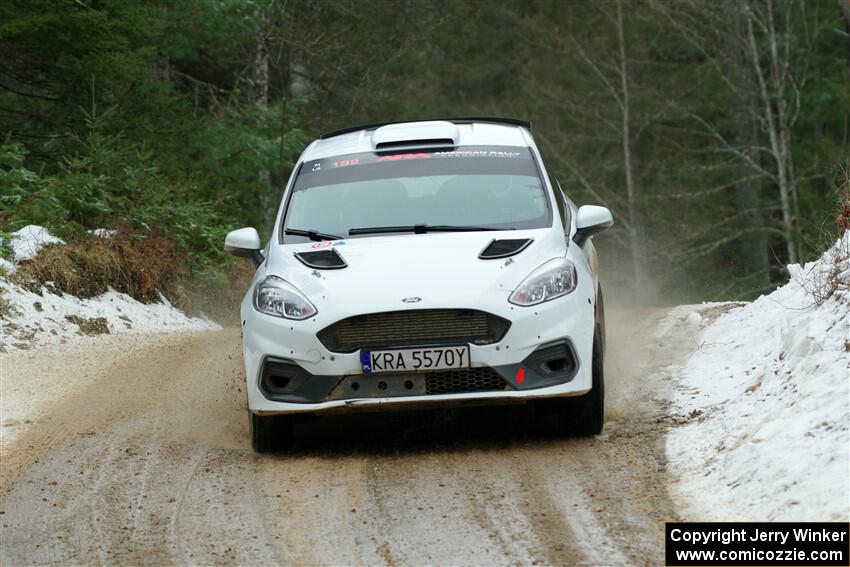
423,264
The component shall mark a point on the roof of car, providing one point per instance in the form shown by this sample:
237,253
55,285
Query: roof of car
483,131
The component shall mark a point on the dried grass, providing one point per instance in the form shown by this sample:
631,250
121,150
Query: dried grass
141,267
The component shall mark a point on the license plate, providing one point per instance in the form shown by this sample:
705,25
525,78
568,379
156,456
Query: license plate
413,359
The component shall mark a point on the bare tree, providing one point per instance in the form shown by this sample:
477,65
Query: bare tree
769,79
772,71
755,251
607,105
624,102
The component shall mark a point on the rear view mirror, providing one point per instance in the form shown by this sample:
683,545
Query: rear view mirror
590,220
245,243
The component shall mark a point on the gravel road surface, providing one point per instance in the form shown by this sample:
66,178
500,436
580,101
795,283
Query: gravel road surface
135,451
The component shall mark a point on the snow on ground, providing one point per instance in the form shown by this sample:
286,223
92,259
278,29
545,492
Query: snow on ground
766,404
47,318
27,241
104,232
6,267
36,319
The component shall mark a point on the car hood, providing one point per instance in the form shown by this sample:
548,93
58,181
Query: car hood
440,269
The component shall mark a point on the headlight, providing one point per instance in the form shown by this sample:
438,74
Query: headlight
274,296
553,279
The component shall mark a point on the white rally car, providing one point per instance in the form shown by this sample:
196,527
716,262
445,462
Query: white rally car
423,264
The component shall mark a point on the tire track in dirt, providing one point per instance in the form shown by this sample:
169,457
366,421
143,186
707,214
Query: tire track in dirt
515,512
556,532
422,498
312,508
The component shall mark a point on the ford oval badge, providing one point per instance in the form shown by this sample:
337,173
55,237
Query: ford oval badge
412,299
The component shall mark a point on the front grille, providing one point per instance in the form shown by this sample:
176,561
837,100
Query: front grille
463,380
431,327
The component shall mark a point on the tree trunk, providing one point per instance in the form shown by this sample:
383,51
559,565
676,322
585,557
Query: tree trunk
631,192
753,246
260,93
299,84
261,64
773,109
779,64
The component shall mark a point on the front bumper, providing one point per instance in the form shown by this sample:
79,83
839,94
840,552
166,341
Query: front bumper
289,370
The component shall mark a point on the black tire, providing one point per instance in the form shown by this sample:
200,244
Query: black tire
270,432
584,416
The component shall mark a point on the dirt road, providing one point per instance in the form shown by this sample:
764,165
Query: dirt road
138,454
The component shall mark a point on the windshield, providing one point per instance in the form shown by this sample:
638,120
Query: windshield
494,187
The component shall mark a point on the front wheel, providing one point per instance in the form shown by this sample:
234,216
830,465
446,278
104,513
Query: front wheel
270,432
584,415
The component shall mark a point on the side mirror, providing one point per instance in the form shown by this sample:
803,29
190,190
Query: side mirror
245,243
590,220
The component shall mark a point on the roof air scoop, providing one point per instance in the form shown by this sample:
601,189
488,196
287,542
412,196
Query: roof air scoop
505,247
415,135
322,260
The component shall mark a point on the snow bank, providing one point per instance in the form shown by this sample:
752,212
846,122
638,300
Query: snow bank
34,319
27,241
46,318
765,402
6,267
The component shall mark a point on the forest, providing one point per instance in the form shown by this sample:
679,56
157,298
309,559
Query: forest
715,130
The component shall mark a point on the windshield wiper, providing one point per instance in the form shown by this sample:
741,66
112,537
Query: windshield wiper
422,229
311,234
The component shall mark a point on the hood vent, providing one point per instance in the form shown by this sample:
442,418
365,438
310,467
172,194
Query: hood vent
434,133
404,144
322,260
504,248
